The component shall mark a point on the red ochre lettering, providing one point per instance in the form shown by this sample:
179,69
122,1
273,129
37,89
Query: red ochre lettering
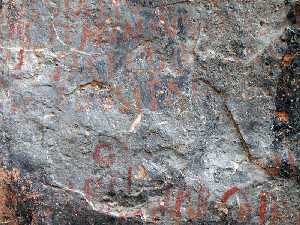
152,84
170,30
88,190
103,160
125,104
194,91
292,162
202,204
51,33
57,74
114,36
101,8
173,88
21,59
138,99
66,8
28,27
116,4
244,208
110,65
67,33
84,37
139,26
262,207
127,30
274,214
11,28
181,195
229,193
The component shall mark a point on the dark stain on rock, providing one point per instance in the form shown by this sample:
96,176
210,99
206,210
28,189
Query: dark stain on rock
294,12
286,124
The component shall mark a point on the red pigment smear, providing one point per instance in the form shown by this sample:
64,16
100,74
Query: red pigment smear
244,210
114,35
125,149
110,62
79,7
153,26
138,99
117,12
51,33
292,162
181,195
57,74
28,27
169,29
66,33
202,200
274,215
173,88
262,207
88,191
101,8
90,62
21,59
140,27
277,161
194,90
107,161
127,30
190,212
13,108
138,212
229,193
84,36
164,22
153,214
149,55
20,30
174,26
112,184
129,179
151,85
11,27
75,64
66,8
98,183
70,185
125,104
165,205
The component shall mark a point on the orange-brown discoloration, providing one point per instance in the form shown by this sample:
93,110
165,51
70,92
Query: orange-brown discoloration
142,173
8,200
244,211
282,116
93,84
287,59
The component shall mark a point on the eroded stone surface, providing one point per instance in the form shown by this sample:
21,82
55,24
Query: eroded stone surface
137,112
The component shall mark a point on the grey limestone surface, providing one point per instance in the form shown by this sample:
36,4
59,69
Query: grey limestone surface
152,112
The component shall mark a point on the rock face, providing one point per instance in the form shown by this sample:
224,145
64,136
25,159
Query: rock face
149,112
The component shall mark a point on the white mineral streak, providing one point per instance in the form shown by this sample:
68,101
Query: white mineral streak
135,123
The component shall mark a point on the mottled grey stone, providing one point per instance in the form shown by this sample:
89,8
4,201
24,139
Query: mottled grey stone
105,120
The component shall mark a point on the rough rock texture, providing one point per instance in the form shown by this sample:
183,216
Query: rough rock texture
149,112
